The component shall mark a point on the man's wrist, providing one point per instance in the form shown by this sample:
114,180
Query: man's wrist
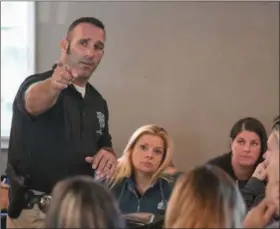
109,149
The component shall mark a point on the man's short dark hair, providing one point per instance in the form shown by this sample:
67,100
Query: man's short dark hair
90,20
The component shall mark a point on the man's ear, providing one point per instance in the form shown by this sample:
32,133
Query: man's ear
64,45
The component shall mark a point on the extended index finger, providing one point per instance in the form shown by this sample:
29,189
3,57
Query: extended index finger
67,68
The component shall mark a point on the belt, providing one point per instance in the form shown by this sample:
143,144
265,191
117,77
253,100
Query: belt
40,198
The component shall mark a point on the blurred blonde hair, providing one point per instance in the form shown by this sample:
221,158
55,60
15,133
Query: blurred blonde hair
125,166
79,202
206,197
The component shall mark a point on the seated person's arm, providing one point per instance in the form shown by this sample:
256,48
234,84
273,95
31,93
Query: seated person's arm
254,191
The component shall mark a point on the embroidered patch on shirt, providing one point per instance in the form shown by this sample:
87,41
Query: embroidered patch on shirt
101,120
162,205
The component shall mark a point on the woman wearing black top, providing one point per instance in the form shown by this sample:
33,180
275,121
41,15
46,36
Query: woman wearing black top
248,144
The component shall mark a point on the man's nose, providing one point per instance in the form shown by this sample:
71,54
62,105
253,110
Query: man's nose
90,52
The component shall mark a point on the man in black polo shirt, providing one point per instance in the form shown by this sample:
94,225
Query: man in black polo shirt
60,125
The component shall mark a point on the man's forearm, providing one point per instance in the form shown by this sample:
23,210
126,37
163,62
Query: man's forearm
40,97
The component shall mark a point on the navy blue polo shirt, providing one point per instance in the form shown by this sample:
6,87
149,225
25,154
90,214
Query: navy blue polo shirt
53,145
154,200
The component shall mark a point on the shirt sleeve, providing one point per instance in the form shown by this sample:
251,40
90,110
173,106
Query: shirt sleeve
19,102
253,192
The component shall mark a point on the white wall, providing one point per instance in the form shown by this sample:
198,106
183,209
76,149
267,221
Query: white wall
192,67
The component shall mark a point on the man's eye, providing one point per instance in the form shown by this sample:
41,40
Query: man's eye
84,43
99,46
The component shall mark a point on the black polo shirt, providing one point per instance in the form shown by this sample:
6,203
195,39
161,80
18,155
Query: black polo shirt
52,146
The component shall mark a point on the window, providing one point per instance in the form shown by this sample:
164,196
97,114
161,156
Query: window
17,56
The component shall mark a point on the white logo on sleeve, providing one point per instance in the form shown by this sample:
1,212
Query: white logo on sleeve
101,120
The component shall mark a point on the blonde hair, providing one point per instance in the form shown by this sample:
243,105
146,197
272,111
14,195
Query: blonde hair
206,197
125,167
79,202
